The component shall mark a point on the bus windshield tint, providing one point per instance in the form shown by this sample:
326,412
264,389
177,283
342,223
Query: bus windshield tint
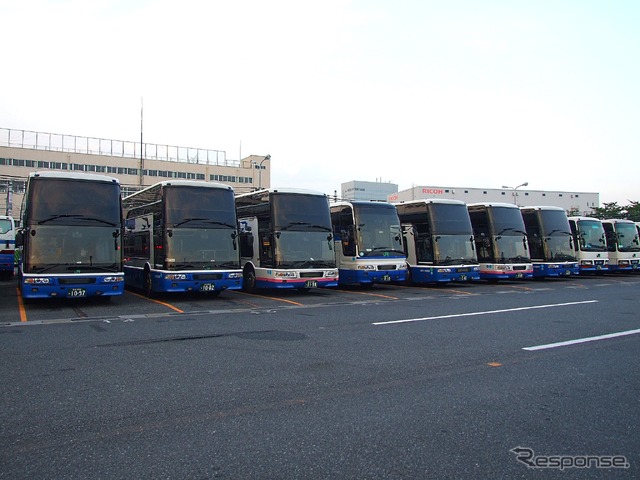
378,230
554,222
450,219
507,221
300,212
61,201
591,236
199,207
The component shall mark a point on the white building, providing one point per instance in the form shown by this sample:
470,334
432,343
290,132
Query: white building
359,190
579,203
134,164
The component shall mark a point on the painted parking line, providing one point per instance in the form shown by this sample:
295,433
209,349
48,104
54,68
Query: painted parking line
488,312
371,294
270,298
21,309
168,305
582,340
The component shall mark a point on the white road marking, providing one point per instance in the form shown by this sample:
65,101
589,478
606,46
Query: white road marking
582,340
489,312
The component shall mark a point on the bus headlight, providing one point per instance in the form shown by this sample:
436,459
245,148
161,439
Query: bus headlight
234,275
444,270
331,273
37,281
114,279
175,276
366,267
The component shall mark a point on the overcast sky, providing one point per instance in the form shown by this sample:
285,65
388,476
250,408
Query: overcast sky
466,93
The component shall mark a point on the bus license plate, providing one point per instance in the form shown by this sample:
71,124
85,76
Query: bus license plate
463,278
207,287
519,275
310,284
77,292
386,278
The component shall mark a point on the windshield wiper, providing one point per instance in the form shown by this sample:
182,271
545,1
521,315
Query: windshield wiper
80,217
556,231
387,249
510,229
187,220
294,224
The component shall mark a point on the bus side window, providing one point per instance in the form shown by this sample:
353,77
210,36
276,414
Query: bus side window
246,244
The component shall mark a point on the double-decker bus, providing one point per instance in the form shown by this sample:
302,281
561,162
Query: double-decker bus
368,243
71,236
623,245
589,244
501,241
182,236
7,246
438,241
550,241
286,239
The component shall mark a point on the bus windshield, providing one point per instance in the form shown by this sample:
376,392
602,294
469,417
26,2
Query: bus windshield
64,249
299,212
591,237
453,250
378,231
201,248
627,234
304,249
195,207
58,203
450,219
557,233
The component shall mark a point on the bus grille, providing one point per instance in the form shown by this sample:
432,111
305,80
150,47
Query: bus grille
76,281
386,267
519,267
207,276
311,274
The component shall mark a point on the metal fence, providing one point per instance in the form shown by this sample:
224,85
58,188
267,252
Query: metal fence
114,148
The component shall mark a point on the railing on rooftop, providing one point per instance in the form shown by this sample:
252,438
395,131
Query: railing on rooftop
57,142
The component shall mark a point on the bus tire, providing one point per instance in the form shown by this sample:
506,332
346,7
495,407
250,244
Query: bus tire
147,283
249,279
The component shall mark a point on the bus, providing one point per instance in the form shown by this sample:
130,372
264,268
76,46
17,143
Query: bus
438,241
622,245
286,239
501,241
550,241
182,236
7,246
71,236
368,243
589,244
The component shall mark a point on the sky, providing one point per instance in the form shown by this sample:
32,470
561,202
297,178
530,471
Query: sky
460,93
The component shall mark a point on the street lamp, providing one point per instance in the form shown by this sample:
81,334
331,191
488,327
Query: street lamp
515,195
259,167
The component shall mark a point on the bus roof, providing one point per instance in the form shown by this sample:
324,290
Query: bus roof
74,176
301,191
617,220
581,217
542,207
186,183
431,200
492,204
343,203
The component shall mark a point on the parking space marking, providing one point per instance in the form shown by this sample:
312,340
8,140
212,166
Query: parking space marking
488,312
270,298
371,294
581,340
21,309
168,305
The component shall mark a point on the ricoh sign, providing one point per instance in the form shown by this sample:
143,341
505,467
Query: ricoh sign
433,191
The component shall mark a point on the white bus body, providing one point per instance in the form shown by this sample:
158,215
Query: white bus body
589,244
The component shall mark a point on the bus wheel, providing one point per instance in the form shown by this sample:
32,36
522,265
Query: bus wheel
249,280
148,284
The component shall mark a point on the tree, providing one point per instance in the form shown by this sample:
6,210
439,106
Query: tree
610,210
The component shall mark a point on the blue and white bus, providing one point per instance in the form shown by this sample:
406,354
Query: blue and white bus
7,246
589,244
71,236
286,239
623,245
501,241
182,236
550,241
368,243
438,241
